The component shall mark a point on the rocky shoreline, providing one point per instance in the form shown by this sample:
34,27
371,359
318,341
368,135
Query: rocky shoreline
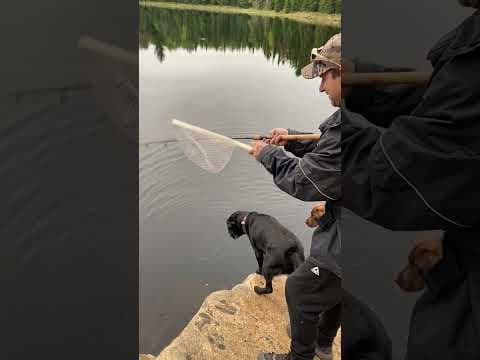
236,324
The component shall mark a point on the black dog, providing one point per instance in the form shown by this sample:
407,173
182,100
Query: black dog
278,250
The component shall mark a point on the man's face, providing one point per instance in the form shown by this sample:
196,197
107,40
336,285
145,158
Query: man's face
332,86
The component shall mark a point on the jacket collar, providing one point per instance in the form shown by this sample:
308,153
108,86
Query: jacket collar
333,120
461,40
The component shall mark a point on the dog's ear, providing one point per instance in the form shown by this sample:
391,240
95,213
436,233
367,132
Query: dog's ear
233,218
318,211
315,214
233,225
410,279
311,222
426,254
421,259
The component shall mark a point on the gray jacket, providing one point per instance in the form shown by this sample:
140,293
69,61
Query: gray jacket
313,175
420,173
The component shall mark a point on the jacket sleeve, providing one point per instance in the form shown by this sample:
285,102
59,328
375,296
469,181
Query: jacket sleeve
383,103
299,148
423,171
314,177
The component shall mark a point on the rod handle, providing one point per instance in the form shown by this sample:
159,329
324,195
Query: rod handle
386,78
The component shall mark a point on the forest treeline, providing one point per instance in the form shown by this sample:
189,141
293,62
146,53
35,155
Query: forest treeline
323,6
280,40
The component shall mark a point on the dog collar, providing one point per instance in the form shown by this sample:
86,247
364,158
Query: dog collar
243,222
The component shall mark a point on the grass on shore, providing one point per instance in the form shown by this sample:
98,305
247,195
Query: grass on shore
305,17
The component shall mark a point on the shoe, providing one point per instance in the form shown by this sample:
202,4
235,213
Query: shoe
273,356
324,352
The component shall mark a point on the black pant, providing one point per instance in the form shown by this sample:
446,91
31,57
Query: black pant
363,335
316,306
328,325
310,296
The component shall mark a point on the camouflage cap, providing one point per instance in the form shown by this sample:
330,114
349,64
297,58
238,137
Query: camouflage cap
324,58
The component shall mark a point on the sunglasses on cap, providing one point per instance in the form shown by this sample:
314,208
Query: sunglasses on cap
315,53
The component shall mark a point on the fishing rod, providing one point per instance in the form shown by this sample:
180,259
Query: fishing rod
168,141
296,137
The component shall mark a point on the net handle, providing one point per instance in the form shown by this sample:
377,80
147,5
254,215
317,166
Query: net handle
212,134
115,52
386,78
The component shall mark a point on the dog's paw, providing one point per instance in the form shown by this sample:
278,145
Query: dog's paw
262,291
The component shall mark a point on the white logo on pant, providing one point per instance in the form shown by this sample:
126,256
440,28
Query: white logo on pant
315,270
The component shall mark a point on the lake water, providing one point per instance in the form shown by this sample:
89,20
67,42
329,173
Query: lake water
237,75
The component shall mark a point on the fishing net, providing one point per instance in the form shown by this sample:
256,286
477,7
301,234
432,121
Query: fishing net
209,150
112,73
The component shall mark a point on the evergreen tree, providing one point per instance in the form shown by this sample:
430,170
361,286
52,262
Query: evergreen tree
260,4
330,6
324,6
279,5
338,7
297,5
244,4
310,5
288,6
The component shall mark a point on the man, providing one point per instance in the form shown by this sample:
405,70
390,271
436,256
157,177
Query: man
427,164
315,287
313,292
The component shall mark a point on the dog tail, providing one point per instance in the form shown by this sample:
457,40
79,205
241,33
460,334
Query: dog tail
296,259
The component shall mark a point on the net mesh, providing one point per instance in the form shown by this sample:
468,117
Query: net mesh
208,152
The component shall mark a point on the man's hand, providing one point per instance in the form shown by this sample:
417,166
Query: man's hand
257,147
275,137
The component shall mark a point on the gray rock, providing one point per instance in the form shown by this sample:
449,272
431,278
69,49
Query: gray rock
237,324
